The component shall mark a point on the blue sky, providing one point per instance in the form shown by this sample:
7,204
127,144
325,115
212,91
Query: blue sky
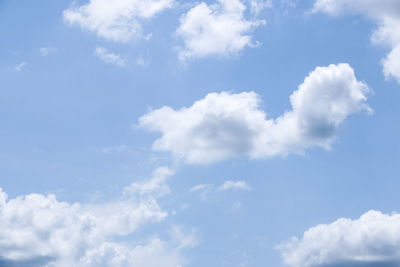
215,133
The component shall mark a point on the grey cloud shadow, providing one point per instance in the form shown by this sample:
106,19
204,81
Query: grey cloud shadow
38,262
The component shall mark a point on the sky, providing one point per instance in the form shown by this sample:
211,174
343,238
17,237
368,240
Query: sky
166,133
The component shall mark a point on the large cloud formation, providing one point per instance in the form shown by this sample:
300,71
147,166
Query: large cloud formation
218,29
371,240
386,13
224,125
117,20
38,230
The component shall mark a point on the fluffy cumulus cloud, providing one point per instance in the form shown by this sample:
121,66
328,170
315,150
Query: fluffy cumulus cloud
386,13
217,29
39,230
117,20
371,240
224,125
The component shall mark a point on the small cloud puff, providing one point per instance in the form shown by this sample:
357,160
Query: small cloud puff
218,29
234,185
108,57
19,67
44,51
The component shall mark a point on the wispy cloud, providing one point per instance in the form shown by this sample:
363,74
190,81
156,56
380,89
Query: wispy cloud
111,149
109,57
205,189
142,61
44,51
234,185
20,66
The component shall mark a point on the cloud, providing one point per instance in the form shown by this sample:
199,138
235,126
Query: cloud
218,29
386,13
391,64
200,187
44,51
206,189
111,149
155,186
108,57
257,6
142,61
118,20
236,207
225,125
371,240
20,66
234,185
39,229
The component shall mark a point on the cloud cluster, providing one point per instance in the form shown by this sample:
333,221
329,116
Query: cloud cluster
224,125
217,29
38,230
117,20
386,13
371,240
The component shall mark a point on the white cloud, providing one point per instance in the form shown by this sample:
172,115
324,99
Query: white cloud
155,186
108,57
20,66
200,187
205,190
386,13
44,51
236,207
391,64
117,20
218,29
257,6
142,61
111,149
38,230
371,240
234,185
224,125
